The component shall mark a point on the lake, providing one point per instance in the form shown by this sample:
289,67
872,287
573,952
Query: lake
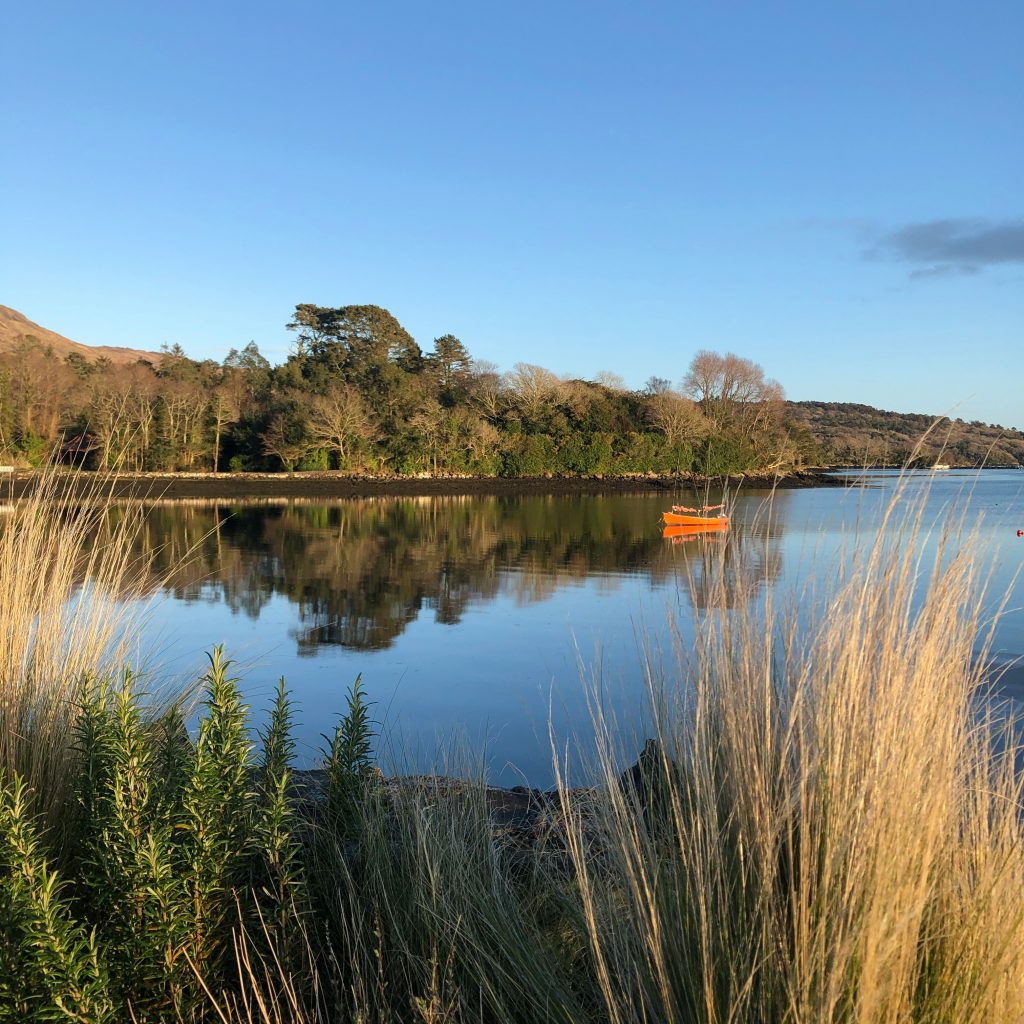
480,621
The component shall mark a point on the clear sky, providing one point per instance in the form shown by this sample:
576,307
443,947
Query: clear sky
833,189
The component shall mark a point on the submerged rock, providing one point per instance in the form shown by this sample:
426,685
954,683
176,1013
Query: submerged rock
646,783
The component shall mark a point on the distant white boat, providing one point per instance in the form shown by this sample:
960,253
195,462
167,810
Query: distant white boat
940,465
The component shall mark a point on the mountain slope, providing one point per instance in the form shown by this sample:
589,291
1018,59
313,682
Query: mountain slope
16,329
856,435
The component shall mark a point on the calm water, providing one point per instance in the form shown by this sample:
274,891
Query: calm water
483,619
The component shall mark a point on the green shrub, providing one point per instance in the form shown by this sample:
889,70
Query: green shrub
529,455
349,762
35,449
318,460
585,454
721,455
636,453
126,856
218,806
50,966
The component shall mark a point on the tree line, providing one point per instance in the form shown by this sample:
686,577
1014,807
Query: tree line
358,394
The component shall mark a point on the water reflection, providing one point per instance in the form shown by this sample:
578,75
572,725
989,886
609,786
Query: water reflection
358,572
489,617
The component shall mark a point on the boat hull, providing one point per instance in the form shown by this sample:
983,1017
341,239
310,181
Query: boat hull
707,522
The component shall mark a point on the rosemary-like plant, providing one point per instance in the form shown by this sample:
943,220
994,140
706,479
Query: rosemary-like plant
50,966
349,761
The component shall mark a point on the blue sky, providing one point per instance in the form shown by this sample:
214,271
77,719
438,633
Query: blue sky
831,189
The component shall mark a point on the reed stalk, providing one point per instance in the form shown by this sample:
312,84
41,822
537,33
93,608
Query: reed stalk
828,830
71,577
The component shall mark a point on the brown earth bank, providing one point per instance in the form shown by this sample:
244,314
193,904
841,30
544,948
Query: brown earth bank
229,486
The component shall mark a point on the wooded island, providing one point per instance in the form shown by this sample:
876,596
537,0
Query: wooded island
358,394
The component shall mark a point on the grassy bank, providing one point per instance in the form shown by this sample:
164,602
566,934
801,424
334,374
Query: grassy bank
822,831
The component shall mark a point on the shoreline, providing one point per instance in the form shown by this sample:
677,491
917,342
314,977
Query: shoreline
229,486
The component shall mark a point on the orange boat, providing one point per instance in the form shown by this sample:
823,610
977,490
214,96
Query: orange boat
683,516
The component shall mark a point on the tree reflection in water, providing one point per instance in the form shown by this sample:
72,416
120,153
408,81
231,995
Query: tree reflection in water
360,571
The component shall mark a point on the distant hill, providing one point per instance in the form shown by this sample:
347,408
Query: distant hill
16,329
856,435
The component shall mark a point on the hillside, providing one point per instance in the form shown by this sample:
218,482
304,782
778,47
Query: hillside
16,329
852,434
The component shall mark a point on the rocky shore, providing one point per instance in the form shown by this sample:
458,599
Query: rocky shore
235,486
520,818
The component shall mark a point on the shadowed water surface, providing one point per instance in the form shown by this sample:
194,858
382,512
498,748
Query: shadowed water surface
487,618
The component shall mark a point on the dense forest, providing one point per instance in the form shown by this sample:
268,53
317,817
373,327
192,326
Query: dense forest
358,394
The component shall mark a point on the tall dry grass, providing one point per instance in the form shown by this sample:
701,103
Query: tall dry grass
828,829
70,574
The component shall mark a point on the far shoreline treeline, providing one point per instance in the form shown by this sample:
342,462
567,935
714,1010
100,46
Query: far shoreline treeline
333,484
359,396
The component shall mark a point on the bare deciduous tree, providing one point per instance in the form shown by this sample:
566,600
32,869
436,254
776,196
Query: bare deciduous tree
533,389
610,380
729,389
184,406
678,418
657,385
284,438
428,423
340,419
224,410
576,397
482,439
486,388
